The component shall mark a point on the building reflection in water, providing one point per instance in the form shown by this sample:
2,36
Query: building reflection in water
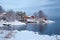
36,27
30,27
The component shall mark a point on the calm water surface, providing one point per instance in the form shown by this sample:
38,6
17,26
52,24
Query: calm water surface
53,28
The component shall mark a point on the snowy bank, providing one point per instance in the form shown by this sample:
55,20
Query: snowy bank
29,35
12,25
38,21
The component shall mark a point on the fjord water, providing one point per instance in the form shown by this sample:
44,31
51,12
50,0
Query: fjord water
53,28
48,29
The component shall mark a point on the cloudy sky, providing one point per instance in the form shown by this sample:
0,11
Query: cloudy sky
50,7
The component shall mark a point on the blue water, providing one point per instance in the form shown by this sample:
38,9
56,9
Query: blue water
46,29
53,28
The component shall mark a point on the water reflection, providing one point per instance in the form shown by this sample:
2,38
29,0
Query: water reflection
13,27
46,29
30,26
36,27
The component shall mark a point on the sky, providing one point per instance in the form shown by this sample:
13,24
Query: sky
50,7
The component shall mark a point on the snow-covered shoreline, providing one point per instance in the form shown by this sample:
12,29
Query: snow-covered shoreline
29,35
38,21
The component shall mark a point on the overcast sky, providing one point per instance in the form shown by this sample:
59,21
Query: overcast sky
50,7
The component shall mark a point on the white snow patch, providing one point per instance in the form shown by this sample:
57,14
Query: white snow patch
45,21
12,23
50,21
17,23
29,35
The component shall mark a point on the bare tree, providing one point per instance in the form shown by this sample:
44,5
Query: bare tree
40,14
21,16
10,15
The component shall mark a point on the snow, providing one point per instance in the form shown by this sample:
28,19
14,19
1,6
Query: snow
50,21
15,23
31,20
45,21
12,23
26,35
29,35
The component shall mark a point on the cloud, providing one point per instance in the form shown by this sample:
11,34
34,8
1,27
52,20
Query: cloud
30,6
